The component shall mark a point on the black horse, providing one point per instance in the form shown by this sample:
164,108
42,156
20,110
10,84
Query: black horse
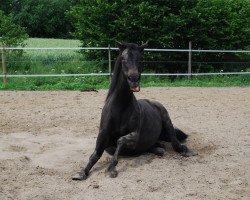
129,126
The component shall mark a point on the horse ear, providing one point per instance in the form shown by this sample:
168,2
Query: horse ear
143,46
121,46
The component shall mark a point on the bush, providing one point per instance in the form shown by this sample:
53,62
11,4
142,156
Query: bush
43,18
210,24
11,34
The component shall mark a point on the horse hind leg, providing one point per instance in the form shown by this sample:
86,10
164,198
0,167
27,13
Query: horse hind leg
181,136
158,149
174,135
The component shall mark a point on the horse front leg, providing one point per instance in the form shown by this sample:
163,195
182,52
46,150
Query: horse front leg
128,141
101,144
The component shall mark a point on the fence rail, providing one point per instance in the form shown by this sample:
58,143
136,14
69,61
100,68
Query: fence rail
114,48
108,74
109,49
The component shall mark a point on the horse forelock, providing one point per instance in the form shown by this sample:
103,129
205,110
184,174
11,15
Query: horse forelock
130,45
131,52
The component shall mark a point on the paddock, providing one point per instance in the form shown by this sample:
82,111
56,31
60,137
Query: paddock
45,137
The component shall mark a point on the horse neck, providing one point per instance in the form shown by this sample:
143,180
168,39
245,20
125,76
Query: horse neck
119,90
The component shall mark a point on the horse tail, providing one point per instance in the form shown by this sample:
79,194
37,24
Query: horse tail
181,136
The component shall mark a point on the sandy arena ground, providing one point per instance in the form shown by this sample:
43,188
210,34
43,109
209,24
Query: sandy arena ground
45,137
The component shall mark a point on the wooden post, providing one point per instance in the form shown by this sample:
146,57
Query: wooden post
190,60
4,66
110,73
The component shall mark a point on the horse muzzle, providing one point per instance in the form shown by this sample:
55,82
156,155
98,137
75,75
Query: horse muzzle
134,86
134,82
135,89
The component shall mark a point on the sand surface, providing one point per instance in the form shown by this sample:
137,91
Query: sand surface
45,137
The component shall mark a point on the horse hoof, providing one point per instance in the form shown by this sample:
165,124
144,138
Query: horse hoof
158,151
113,174
79,176
189,153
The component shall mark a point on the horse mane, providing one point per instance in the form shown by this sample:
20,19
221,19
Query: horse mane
115,77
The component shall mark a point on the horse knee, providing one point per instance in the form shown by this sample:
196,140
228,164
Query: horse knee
121,141
126,142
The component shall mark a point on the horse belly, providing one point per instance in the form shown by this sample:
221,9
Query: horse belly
151,127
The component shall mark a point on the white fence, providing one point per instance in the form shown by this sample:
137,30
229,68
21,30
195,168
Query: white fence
109,49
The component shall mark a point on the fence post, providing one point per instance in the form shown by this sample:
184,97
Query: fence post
190,60
110,72
4,66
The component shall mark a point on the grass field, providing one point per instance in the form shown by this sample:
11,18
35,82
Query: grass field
42,42
73,62
50,43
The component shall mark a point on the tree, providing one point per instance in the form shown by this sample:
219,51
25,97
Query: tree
214,24
6,6
210,24
42,18
11,34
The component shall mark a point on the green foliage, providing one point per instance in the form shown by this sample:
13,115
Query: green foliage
214,24
209,24
6,6
42,18
11,34
99,23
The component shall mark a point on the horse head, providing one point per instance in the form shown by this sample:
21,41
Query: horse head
131,55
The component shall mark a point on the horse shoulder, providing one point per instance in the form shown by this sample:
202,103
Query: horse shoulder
107,118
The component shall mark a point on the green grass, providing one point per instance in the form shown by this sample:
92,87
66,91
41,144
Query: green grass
51,61
100,82
200,81
72,62
50,43
42,42
56,83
